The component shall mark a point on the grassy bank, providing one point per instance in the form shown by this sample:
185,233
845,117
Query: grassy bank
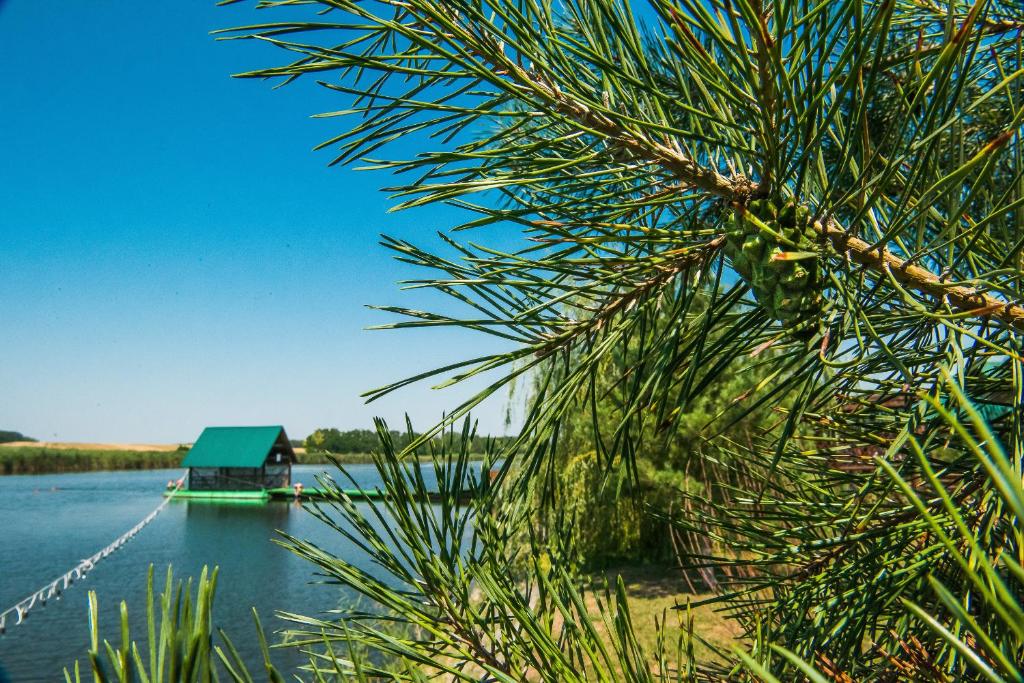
47,460
655,593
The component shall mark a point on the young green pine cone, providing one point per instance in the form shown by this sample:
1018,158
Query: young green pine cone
754,247
796,280
782,271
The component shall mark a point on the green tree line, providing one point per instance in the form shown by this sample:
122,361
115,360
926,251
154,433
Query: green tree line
10,436
365,441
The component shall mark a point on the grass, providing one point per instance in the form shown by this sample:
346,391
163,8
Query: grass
654,592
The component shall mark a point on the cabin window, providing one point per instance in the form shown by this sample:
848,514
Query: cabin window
277,458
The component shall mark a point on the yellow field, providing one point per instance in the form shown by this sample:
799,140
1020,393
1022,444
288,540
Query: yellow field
69,445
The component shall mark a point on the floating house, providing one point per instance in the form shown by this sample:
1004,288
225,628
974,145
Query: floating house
240,459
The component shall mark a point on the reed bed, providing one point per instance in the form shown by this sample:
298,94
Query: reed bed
44,460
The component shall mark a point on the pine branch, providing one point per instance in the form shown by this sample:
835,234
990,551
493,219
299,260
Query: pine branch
738,188
666,154
472,43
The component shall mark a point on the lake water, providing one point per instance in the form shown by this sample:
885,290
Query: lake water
49,522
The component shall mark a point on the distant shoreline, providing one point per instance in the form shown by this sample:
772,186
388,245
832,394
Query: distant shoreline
64,458
60,459
76,446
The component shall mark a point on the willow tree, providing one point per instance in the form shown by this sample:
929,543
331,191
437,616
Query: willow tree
697,182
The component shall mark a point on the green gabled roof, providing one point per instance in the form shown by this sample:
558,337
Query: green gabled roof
235,446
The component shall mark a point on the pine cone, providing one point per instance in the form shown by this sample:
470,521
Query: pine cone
773,247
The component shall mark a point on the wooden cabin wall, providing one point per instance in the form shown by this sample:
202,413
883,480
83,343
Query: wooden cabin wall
225,478
269,476
277,476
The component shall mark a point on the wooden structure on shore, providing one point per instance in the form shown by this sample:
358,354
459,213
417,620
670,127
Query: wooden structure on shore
254,465
240,459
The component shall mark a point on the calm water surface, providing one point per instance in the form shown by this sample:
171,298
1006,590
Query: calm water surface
49,522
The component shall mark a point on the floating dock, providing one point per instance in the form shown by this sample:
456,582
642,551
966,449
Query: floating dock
255,496
287,493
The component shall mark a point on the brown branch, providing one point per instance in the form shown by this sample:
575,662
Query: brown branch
669,157
964,299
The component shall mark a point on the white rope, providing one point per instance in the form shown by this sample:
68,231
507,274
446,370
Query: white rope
57,586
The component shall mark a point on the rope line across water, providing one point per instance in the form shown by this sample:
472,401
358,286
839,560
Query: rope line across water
54,589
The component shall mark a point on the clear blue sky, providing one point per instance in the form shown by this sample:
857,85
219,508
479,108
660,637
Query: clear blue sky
173,254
